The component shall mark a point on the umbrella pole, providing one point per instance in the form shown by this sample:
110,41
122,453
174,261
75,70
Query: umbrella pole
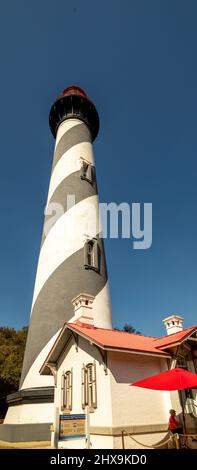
183,412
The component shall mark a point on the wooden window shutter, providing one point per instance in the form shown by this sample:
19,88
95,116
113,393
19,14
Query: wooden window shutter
97,256
68,403
62,391
89,254
66,391
86,254
87,172
93,174
94,388
83,386
84,169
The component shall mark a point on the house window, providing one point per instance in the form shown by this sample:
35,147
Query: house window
87,172
89,397
92,255
66,398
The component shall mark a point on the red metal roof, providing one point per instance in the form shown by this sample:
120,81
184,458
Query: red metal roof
113,339
167,341
117,340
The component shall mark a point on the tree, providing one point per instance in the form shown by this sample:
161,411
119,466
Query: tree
128,328
12,347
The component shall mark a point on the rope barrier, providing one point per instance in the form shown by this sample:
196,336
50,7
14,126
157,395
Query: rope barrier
145,445
170,439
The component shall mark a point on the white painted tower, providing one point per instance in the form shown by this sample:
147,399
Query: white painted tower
72,258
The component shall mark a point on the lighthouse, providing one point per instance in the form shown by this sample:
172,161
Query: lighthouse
71,259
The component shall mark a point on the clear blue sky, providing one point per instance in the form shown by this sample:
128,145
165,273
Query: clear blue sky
136,59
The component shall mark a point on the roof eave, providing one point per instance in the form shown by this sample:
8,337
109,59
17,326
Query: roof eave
138,351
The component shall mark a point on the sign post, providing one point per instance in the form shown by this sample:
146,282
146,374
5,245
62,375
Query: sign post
55,429
87,427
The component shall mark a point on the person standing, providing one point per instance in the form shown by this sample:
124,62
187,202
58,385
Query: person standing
174,424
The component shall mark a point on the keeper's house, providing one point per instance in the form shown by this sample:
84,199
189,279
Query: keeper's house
93,369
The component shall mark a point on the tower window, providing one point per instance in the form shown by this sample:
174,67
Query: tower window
89,386
66,396
87,172
92,255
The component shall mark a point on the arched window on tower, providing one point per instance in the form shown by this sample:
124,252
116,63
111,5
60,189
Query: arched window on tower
87,171
92,255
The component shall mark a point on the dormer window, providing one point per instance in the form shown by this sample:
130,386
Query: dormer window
92,255
87,171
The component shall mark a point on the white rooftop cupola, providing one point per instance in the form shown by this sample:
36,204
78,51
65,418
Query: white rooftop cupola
83,308
173,324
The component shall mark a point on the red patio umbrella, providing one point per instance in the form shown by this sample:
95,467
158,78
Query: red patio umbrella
173,379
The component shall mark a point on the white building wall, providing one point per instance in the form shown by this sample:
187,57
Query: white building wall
33,413
102,416
119,406
134,405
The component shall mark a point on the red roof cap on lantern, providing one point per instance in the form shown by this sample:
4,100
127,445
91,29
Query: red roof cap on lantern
73,102
74,90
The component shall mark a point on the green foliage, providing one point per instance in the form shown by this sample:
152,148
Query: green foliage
128,329
12,347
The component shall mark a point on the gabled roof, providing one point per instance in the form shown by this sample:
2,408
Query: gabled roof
168,341
117,340
113,339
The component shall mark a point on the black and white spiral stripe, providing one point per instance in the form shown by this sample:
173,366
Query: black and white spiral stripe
61,275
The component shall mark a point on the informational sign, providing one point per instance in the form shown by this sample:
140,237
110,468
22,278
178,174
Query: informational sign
72,427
